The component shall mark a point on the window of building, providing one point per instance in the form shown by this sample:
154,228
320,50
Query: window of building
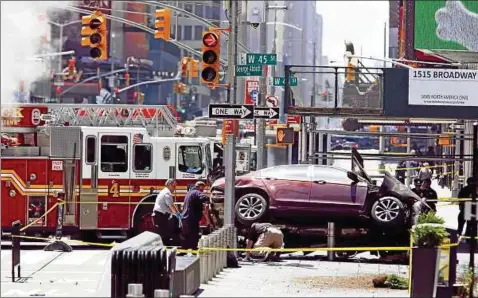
198,32
142,157
114,154
90,149
190,159
208,10
198,10
188,32
216,13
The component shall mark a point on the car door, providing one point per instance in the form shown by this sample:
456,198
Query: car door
332,191
289,187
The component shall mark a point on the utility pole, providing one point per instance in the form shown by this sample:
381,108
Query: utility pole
260,128
314,91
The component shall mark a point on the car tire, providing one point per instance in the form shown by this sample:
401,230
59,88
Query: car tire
251,208
388,211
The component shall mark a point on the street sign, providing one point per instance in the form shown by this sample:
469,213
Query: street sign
280,81
249,70
252,92
266,113
261,59
226,111
272,101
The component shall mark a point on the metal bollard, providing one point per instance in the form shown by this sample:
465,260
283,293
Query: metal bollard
135,290
161,293
331,240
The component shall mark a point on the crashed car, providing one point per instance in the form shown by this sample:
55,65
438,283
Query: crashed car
313,194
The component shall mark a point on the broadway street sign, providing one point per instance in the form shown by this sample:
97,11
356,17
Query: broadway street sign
225,111
266,113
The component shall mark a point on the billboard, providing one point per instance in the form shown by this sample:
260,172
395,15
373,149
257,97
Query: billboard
446,25
443,87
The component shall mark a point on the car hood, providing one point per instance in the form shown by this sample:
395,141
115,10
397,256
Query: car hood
357,165
391,184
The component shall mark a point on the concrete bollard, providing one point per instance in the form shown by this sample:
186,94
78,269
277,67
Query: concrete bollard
135,290
209,258
202,259
187,296
234,239
214,255
224,253
161,293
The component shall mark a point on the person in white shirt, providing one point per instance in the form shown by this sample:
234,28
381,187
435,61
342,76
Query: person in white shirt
163,208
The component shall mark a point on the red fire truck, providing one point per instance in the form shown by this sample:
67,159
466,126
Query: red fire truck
106,159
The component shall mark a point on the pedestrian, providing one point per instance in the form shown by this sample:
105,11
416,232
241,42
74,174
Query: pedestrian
431,154
265,235
425,172
192,214
428,194
163,208
465,193
400,171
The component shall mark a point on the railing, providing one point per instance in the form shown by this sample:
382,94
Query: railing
213,261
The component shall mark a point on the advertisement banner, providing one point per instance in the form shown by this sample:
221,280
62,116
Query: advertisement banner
252,92
446,25
443,87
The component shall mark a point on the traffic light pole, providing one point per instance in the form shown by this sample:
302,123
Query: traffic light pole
260,128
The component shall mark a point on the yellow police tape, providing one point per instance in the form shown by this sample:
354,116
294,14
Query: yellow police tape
38,219
261,249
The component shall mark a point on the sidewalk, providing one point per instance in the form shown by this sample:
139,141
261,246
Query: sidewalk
304,279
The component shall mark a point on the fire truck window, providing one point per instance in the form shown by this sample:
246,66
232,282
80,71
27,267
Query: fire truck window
190,159
90,149
114,154
142,158
36,209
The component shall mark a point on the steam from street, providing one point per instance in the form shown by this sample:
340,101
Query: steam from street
25,33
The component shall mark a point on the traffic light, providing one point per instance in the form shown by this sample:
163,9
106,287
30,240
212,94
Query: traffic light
185,67
163,24
126,79
350,73
194,70
211,52
94,34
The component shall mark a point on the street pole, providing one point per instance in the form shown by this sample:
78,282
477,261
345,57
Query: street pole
230,54
473,221
60,48
260,128
312,103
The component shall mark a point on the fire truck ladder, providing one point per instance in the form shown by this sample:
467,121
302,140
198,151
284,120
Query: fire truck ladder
155,118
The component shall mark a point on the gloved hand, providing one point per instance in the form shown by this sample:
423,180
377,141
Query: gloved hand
179,215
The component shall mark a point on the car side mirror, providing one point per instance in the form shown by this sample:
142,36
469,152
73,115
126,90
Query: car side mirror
352,176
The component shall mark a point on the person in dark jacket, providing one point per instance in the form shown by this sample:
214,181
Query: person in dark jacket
428,193
464,193
192,214
400,171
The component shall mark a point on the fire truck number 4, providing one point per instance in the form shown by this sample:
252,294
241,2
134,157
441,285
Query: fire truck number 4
114,190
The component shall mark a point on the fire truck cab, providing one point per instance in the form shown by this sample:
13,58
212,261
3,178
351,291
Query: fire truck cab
109,161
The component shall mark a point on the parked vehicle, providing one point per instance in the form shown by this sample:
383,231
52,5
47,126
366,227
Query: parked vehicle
316,194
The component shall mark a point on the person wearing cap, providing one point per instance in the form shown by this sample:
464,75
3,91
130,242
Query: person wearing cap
192,214
163,208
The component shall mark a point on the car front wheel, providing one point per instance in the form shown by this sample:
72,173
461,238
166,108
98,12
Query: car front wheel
251,208
388,211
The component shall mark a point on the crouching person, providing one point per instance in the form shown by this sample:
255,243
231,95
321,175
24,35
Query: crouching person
265,235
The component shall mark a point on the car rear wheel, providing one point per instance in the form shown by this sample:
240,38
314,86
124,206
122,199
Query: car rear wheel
251,208
388,211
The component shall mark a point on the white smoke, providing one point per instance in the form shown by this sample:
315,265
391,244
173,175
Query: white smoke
24,30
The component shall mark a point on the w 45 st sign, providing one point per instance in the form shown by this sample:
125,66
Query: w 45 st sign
261,59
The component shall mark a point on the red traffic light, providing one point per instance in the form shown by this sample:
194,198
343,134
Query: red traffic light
95,24
210,39
185,61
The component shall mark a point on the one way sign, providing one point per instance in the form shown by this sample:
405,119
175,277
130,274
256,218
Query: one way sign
266,113
226,111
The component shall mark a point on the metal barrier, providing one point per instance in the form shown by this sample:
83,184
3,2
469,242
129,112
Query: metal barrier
212,262
16,249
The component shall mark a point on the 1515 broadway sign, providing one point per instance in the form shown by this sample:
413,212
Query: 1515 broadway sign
443,87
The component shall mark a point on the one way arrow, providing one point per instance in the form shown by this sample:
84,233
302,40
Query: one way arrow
270,113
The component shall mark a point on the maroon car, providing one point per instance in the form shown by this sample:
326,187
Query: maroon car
312,194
